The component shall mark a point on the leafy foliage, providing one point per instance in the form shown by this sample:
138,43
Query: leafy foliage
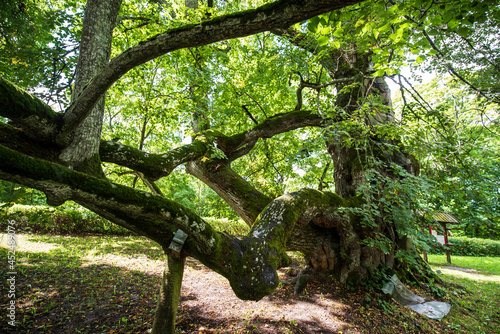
39,46
233,85
61,221
453,135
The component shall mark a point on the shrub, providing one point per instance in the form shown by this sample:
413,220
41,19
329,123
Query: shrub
470,247
235,227
61,220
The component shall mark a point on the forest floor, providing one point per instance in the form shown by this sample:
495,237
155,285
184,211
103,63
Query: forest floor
102,284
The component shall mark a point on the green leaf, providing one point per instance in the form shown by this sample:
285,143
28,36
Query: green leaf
464,31
312,24
323,40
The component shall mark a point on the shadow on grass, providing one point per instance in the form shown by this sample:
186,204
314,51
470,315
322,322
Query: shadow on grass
56,293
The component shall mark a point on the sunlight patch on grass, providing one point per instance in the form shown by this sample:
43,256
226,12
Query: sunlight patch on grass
132,253
25,244
142,264
468,275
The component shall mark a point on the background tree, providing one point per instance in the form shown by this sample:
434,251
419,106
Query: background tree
453,134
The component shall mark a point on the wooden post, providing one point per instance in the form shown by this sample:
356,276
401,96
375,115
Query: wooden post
448,255
425,253
168,300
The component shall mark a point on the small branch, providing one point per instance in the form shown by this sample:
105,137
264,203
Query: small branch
317,87
145,22
241,151
452,71
257,103
155,166
270,160
249,114
150,184
320,185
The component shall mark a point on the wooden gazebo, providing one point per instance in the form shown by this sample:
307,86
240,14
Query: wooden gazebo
444,219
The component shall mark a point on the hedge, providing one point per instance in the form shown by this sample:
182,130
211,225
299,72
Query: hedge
61,220
470,247
234,227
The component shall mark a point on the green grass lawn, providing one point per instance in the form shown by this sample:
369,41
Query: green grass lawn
486,265
477,308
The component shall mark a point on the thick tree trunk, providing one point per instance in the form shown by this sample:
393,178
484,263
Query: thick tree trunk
308,220
95,49
354,260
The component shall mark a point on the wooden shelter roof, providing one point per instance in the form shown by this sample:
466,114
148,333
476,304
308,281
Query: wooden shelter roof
442,217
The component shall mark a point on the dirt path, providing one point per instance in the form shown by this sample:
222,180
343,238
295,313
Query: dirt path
208,297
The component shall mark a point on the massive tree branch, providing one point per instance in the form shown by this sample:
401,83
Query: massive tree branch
239,194
35,118
280,14
249,263
156,166
272,126
16,139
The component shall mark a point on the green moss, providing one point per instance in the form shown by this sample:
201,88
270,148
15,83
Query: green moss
18,104
154,166
91,166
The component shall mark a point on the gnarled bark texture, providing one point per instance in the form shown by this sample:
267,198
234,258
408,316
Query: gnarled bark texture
351,161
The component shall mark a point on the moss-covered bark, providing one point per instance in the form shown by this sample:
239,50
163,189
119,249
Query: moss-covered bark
353,259
25,111
249,263
15,139
153,166
279,14
239,194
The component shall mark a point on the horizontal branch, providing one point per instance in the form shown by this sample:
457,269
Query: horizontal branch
272,126
280,14
154,166
16,139
61,184
249,263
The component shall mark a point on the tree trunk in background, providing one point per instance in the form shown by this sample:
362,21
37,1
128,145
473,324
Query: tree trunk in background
239,194
95,50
